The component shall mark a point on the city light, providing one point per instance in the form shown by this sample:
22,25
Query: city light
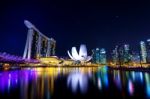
82,56
72,50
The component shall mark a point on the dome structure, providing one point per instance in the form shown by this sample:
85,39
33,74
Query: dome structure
81,56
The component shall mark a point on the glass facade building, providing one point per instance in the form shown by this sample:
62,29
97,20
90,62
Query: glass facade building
99,56
143,52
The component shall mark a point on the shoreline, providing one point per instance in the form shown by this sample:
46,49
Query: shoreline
130,69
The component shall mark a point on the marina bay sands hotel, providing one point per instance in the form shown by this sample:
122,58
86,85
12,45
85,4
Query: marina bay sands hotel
37,44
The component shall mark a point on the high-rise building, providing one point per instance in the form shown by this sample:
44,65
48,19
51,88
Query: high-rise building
135,58
121,54
126,54
103,56
37,44
143,52
148,50
99,56
95,56
115,55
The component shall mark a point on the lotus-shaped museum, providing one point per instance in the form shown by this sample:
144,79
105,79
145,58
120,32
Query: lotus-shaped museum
81,56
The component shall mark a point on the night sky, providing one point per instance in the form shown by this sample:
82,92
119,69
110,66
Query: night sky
97,24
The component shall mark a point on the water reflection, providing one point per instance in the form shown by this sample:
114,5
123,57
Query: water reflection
38,83
147,82
117,80
130,87
77,79
126,83
7,80
102,78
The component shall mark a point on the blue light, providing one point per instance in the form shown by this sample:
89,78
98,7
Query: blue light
141,76
137,76
147,78
148,40
148,90
105,79
142,42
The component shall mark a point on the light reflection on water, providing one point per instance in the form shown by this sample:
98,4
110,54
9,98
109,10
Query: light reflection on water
38,83
77,79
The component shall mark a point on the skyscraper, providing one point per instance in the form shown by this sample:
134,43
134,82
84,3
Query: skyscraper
115,55
121,55
99,56
126,54
135,57
103,56
96,56
148,50
143,52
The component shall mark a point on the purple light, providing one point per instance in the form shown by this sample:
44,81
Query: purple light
7,58
117,80
130,87
10,79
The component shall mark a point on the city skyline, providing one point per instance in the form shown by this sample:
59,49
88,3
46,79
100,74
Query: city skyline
96,24
53,49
